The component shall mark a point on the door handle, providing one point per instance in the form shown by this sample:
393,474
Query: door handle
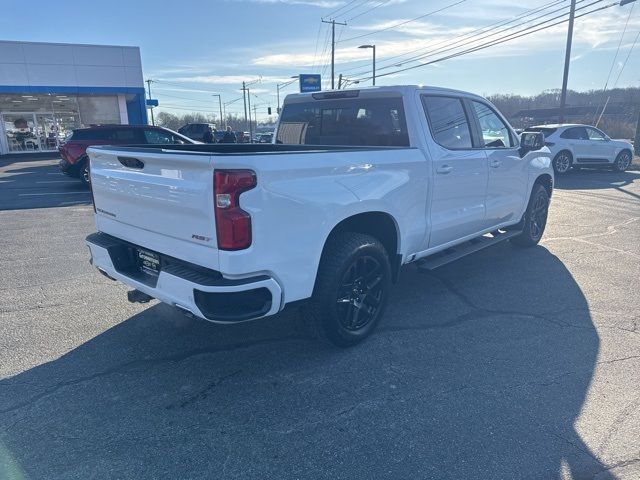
444,169
495,163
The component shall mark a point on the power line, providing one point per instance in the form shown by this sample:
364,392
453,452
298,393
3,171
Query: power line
462,44
390,61
364,2
315,53
527,31
368,10
405,22
626,59
331,14
613,64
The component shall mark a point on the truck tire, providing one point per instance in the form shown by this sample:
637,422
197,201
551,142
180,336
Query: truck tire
535,218
562,162
85,177
352,288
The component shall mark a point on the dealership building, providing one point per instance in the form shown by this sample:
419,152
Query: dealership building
48,89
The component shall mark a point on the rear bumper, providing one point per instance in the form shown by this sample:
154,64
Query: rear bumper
203,292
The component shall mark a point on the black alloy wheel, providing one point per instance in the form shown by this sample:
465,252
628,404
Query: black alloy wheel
534,220
360,294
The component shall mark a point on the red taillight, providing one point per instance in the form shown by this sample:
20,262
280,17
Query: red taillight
233,225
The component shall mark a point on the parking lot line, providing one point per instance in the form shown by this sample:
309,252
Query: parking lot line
58,181
49,193
75,202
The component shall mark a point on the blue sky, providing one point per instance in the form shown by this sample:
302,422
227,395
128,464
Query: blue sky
194,48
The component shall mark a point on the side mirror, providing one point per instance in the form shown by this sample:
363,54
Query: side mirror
530,141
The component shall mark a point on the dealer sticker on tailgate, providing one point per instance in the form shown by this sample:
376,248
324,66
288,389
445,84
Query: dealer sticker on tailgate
149,262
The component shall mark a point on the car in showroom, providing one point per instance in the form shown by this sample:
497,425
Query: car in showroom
73,150
575,146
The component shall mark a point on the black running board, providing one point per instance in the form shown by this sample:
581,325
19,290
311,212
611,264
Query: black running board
474,245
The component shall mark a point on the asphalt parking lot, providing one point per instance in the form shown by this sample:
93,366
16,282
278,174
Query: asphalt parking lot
506,364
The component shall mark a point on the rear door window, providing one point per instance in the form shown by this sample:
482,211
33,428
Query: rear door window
448,121
349,121
575,133
128,135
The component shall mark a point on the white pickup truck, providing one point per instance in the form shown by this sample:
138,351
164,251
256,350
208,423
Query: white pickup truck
356,184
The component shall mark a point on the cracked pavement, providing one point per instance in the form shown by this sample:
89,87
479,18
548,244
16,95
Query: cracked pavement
507,364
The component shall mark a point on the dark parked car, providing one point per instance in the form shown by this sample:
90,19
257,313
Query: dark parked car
195,131
266,138
73,150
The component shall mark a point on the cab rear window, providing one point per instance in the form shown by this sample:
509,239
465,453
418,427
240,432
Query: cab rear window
347,121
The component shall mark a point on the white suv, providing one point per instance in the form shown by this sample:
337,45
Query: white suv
582,145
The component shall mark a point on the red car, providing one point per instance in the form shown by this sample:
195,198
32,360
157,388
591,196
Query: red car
73,150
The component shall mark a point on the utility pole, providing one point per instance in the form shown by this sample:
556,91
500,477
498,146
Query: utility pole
333,48
244,99
567,59
250,126
636,142
255,116
339,81
149,90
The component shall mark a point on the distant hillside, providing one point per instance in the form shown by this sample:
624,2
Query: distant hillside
619,119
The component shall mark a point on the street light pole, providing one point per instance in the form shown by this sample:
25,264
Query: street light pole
282,85
151,107
373,47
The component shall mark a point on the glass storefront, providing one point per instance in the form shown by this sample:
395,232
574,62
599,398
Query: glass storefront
39,122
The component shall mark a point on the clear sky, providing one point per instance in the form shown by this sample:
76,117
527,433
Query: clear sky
194,48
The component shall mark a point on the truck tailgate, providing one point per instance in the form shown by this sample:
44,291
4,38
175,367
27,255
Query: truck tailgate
169,194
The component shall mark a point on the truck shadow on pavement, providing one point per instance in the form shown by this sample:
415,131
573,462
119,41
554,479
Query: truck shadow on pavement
479,370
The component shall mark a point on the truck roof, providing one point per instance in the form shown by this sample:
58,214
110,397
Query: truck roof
381,91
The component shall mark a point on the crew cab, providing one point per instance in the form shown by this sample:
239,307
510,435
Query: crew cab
356,184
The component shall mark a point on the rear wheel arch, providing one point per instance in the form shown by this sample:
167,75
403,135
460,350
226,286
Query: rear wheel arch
381,226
